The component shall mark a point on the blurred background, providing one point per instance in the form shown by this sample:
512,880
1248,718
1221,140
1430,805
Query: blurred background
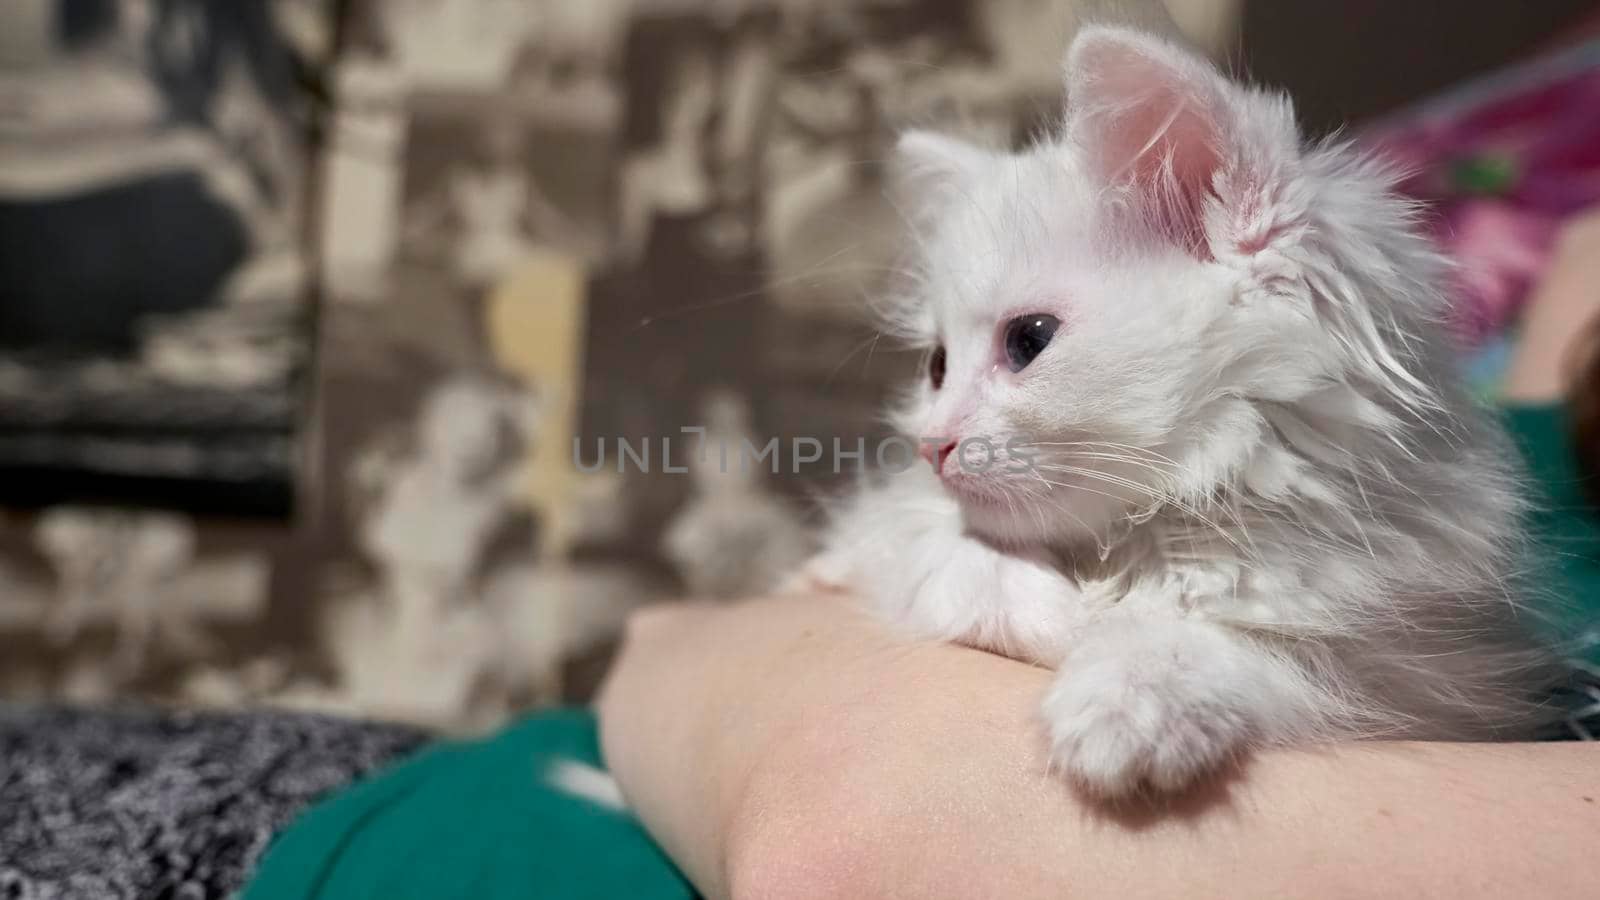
310,309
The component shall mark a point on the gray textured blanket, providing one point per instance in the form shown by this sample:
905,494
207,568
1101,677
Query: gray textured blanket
146,804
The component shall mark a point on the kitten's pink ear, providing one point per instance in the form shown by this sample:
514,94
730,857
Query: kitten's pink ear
1153,119
929,166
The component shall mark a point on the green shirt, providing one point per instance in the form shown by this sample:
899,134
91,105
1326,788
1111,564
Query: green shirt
472,819
1564,522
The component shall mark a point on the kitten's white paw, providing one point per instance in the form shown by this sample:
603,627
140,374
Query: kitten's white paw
1155,711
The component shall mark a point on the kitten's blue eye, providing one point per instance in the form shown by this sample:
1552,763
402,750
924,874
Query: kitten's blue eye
936,367
1026,337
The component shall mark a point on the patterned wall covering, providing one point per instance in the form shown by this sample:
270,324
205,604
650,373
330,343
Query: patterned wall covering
155,323
546,226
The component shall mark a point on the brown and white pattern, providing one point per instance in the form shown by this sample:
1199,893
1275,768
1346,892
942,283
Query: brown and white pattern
540,223
155,323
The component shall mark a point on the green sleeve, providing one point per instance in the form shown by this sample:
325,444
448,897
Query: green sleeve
476,820
1563,520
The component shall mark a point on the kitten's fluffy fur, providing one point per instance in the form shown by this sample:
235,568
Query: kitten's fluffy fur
1260,507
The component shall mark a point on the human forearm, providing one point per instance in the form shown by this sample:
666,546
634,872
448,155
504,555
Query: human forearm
699,701
794,748
1357,820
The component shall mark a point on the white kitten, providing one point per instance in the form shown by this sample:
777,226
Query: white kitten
1237,497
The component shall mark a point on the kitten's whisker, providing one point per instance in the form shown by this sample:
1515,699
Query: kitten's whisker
1160,498
1044,495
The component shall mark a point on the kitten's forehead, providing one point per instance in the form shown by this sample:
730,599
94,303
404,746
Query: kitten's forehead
1017,230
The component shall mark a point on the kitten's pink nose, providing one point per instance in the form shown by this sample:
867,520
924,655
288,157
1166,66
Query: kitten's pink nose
936,453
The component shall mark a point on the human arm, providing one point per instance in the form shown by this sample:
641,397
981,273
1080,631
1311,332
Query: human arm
793,747
1560,317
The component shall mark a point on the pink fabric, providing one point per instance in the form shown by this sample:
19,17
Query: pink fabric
1501,162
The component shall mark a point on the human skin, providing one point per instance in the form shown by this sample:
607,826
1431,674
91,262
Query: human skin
1560,316
795,747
